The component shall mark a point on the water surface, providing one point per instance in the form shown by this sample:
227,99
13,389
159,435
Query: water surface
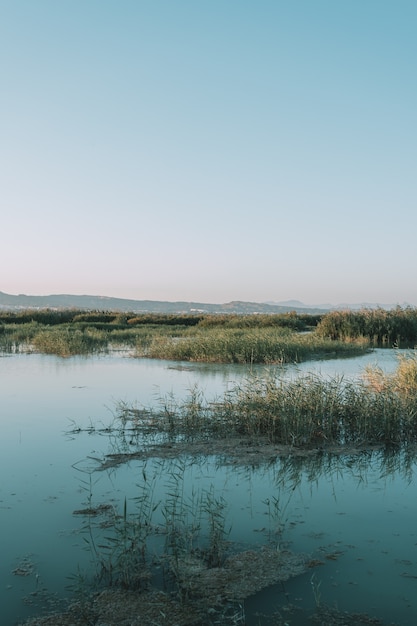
362,510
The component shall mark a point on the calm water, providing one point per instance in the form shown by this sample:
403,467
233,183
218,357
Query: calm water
363,511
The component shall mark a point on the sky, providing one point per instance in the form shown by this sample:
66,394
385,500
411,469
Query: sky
209,150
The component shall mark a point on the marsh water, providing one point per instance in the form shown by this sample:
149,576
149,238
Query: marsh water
356,515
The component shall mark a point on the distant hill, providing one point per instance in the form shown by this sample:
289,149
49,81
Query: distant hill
342,306
103,303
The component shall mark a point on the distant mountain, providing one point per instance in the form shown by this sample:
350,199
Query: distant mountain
289,303
296,304
103,303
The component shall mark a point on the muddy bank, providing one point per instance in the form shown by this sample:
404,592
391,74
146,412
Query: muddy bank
206,595
245,451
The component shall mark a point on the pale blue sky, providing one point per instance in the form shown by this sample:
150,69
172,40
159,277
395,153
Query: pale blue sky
209,150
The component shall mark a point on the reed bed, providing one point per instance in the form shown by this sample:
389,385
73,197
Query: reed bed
212,338
250,345
17,337
69,341
177,339
403,381
306,411
291,320
67,333
381,327
77,337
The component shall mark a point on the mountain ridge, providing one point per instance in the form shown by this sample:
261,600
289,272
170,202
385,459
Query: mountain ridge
109,303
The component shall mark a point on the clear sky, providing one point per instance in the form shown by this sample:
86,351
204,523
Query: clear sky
209,150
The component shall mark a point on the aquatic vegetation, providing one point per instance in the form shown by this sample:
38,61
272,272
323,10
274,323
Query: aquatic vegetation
405,377
403,381
307,411
381,327
288,337
179,546
185,536
192,526
180,540
249,345
211,338
68,341
292,320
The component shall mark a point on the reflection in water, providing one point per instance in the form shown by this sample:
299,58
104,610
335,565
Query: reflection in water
354,514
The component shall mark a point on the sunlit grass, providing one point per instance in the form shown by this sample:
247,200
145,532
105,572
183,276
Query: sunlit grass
381,327
306,411
215,340
249,345
403,381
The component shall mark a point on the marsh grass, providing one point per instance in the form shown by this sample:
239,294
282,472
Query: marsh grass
61,340
402,382
195,531
309,410
68,341
379,326
119,548
131,548
210,338
17,337
79,337
251,345
189,555
226,338
292,320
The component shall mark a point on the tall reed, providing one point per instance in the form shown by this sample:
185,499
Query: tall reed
382,327
68,341
306,411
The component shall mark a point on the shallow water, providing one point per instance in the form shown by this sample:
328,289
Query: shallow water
361,512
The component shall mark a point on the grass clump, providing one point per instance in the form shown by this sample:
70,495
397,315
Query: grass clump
18,337
402,382
68,341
